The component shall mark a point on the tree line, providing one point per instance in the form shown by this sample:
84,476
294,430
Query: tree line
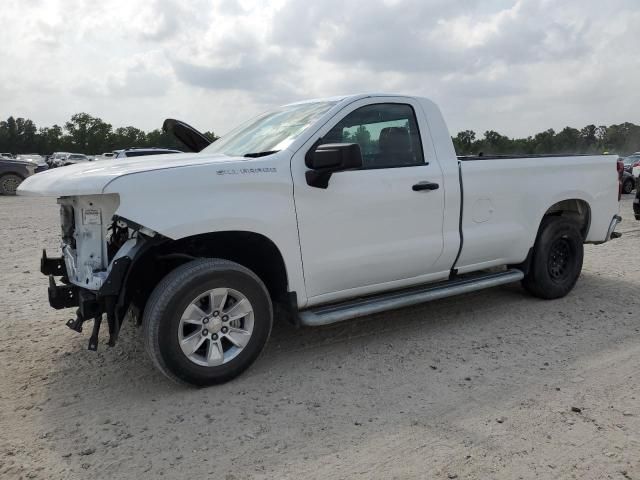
83,133
621,139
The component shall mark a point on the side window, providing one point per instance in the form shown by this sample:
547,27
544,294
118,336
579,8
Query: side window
386,132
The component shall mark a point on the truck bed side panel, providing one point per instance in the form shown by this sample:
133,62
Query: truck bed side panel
505,200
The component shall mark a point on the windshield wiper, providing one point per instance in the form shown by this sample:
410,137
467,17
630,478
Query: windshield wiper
260,154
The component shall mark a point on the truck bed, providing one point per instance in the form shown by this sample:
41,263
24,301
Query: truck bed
504,202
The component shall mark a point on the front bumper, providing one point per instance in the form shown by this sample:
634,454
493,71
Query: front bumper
67,295
52,266
90,304
636,206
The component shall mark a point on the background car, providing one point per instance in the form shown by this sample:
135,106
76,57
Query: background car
631,161
57,159
12,173
37,159
105,156
74,158
141,152
628,182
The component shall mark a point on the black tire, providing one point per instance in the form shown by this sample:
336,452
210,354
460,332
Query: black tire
170,298
9,183
627,187
557,259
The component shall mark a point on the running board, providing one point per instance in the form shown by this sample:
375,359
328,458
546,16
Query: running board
360,307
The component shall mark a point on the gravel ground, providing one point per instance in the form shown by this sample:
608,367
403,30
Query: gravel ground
480,386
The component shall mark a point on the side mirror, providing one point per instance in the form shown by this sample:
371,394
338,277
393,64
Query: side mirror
329,158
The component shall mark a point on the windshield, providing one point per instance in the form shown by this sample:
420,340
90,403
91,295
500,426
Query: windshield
270,132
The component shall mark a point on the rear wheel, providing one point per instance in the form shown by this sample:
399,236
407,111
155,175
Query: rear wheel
207,321
627,187
557,259
9,184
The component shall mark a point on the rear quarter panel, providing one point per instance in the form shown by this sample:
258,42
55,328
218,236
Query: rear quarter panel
505,199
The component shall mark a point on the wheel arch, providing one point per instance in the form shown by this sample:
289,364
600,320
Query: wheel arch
576,209
11,172
252,250
21,176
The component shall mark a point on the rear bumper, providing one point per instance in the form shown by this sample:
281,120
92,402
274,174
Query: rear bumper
636,206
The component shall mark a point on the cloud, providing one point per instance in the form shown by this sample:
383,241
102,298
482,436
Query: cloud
231,7
516,66
233,55
138,81
414,36
260,76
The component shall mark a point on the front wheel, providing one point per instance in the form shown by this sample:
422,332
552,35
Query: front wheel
207,321
557,259
627,187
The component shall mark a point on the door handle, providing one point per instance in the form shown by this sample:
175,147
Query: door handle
425,186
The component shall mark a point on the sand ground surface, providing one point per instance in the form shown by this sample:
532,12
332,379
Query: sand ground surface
475,387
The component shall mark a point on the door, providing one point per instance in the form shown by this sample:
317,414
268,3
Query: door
379,226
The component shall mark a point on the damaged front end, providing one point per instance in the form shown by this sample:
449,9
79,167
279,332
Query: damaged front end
98,249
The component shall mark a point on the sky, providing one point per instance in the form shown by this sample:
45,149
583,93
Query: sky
515,66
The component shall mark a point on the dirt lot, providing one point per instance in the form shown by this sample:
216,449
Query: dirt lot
480,386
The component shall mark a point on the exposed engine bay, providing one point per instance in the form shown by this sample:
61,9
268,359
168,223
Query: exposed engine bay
97,249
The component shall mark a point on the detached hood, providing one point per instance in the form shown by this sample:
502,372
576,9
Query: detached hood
90,178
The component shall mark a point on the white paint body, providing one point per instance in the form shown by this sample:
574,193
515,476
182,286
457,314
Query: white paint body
368,231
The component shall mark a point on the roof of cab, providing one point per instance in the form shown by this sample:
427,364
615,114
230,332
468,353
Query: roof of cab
350,98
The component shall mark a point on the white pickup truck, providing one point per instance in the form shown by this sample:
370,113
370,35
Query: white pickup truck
326,210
